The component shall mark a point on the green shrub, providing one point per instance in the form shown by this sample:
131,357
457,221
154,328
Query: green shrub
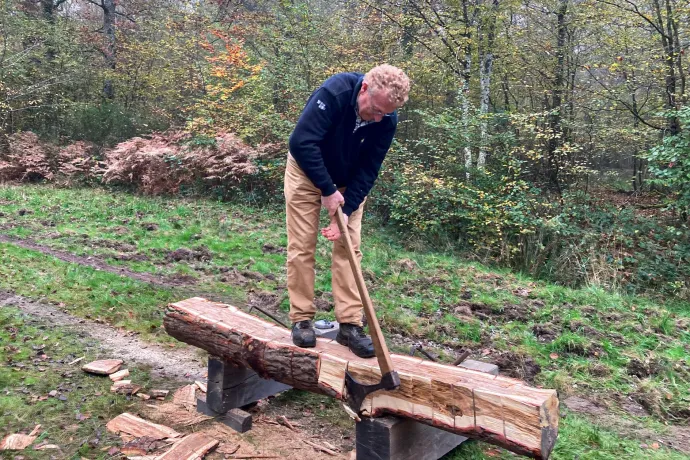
669,163
107,123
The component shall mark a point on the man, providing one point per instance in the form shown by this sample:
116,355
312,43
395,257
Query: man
336,151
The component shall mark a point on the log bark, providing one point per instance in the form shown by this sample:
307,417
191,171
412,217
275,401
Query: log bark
499,410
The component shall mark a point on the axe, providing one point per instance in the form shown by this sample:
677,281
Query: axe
357,391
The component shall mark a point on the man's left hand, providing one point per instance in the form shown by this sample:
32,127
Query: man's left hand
332,232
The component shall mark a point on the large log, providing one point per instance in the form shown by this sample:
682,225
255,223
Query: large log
496,409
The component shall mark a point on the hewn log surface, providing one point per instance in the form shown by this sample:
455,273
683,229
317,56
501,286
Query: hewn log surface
496,409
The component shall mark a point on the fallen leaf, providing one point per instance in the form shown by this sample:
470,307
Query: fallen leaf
19,441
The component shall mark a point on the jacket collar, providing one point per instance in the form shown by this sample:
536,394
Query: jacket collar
358,86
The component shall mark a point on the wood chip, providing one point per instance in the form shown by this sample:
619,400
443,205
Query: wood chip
132,451
228,449
75,361
103,367
321,448
329,445
119,375
192,447
143,396
201,385
126,389
138,427
19,441
253,456
186,396
159,394
285,422
47,446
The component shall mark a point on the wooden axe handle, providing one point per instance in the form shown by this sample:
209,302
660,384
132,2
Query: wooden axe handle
380,347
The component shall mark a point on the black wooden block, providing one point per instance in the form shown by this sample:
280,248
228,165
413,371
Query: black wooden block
230,386
237,419
394,438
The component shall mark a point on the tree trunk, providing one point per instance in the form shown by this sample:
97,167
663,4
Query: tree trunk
108,7
665,33
556,138
486,46
499,410
467,69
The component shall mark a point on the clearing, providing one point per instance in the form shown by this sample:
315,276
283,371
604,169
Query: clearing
101,265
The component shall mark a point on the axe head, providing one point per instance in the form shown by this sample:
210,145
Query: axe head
356,391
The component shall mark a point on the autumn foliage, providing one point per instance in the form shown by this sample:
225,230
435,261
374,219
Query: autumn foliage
28,159
161,163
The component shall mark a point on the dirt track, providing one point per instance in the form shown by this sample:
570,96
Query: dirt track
178,364
93,262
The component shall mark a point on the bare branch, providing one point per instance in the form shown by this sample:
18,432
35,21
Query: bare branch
450,65
636,11
126,16
635,113
93,2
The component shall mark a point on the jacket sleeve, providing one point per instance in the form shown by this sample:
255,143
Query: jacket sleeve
312,127
371,156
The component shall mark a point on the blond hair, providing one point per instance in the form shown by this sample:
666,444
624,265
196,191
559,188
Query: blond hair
391,80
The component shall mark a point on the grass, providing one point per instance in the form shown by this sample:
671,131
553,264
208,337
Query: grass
579,439
35,362
584,341
84,291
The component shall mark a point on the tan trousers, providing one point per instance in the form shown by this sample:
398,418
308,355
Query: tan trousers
303,207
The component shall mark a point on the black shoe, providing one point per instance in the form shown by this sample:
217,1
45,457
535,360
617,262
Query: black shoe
356,340
303,334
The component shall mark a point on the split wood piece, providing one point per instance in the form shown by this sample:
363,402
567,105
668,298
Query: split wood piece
159,394
321,448
103,367
496,409
119,375
19,441
201,385
138,427
125,387
185,396
192,447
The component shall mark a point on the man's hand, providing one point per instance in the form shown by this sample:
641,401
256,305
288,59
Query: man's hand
331,202
332,232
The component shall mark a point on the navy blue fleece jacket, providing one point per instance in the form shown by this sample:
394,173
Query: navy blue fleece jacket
329,152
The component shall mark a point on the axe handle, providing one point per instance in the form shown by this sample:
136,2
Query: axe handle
380,347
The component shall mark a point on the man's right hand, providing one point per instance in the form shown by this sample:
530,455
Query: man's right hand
331,202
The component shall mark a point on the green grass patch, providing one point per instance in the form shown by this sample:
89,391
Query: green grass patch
84,291
36,361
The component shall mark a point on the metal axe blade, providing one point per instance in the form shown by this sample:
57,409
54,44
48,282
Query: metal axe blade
357,391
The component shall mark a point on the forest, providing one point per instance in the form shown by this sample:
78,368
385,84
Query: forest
532,212
544,136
